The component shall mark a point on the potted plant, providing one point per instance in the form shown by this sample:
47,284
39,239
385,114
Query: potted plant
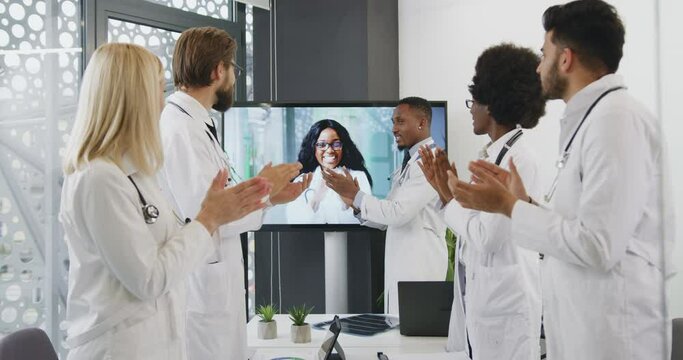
300,330
267,327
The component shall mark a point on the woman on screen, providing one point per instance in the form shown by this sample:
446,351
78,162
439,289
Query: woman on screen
328,145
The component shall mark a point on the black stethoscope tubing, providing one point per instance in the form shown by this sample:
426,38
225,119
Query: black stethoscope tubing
149,211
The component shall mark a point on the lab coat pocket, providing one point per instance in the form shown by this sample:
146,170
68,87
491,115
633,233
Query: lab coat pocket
497,313
501,337
208,288
496,291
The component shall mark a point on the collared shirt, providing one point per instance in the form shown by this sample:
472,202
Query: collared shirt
191,160
413,153
415,148
487,232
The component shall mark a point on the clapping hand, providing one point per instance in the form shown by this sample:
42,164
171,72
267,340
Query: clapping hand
343,184
292,190
222,205
280,175
435,166
493,189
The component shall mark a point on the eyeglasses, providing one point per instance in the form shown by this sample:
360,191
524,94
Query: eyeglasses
322,145
469,103
238,69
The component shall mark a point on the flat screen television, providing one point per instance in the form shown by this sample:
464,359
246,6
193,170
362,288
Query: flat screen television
257,133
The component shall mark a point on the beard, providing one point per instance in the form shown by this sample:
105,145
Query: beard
224,98
555,86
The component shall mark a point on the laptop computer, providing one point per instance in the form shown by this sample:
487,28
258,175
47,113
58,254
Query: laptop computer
424,307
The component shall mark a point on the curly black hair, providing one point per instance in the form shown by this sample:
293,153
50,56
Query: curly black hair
351,156
592,28
505,80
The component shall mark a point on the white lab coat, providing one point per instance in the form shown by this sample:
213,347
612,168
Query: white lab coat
415,242
503,291
602,275
126,278
330,208
216,320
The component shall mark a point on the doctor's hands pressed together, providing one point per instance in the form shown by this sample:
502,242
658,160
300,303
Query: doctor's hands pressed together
493,189
343,184
292,190
222,205
280,177
435,167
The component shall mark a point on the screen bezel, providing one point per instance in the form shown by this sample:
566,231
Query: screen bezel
329,227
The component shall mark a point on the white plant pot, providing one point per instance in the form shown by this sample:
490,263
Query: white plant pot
301,334
267,330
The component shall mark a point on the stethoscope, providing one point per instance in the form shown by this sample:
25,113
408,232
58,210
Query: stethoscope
149,211
564,157
223,161
404,172
508,145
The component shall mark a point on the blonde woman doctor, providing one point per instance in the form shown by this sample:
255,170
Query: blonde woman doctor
129,253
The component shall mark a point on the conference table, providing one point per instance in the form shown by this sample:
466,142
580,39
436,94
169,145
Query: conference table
390,342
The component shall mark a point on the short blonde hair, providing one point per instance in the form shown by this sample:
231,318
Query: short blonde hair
118,110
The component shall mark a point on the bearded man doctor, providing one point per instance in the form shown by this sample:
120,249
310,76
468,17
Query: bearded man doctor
204,73
415,242
604,235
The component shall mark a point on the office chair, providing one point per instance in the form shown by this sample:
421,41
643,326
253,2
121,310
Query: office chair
677,339
27,344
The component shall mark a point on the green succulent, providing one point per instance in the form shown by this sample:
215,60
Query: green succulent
298,314
266,312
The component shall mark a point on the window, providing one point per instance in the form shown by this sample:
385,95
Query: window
41,60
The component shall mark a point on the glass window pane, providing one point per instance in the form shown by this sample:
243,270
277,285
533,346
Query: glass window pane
40,71
219,9
159,41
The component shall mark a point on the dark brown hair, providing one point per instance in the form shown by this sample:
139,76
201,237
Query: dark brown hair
591,28
197,53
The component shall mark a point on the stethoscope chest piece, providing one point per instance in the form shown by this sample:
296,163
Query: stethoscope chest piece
150,213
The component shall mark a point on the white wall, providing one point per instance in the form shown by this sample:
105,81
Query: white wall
440,40
671,87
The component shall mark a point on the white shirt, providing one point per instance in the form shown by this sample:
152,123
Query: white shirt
503,296
320,205
415,242
126,277
603,239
